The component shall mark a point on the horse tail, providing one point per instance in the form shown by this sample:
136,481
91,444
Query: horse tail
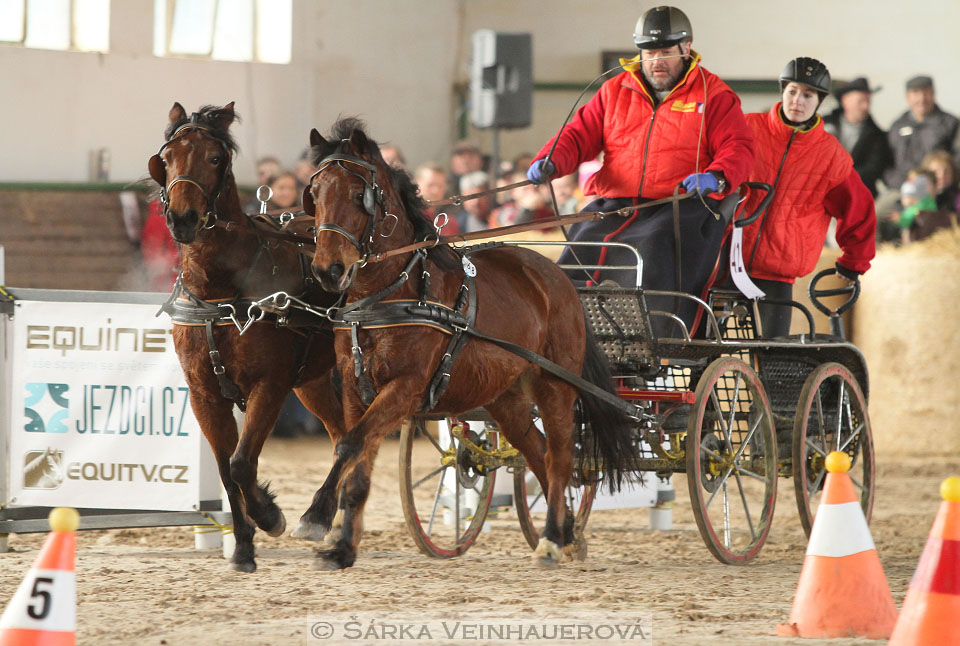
608,444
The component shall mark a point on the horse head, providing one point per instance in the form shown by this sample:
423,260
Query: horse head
193,167
354,197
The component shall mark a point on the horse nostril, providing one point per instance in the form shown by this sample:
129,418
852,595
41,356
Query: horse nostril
336,271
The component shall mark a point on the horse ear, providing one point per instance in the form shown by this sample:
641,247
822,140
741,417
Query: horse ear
307,200
157,170
224,116
358,140
316,139
177,113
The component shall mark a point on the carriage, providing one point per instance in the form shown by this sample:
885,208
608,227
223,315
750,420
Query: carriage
731,411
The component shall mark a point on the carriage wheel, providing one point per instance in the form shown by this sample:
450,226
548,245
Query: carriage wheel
528,495
445,493
831,416
732,461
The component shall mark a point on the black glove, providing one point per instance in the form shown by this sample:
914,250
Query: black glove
849,274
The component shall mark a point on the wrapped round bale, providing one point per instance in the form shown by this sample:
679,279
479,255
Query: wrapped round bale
905,323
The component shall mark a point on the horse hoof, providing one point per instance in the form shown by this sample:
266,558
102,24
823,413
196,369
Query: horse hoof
327,565
546,562
278,528
309,531
247,567
547,554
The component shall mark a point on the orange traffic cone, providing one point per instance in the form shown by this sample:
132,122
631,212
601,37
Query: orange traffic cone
932,606
842,590
43,610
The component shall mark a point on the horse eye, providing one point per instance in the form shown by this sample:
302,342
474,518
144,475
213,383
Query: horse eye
359,198
215,160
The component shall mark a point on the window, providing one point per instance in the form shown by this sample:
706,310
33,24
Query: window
79,25
224,30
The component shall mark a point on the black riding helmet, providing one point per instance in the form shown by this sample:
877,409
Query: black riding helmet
662,27
807,71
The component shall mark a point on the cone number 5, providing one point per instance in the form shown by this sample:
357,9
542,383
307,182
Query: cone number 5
44,596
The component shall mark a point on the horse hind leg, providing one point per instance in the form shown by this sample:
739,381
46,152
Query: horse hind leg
555,401
323,400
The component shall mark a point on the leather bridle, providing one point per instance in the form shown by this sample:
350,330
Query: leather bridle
372,202
158,170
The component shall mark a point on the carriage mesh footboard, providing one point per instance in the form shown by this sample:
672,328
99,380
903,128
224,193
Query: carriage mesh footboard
621,325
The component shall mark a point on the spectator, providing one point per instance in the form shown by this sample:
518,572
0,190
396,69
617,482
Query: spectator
161,255
920,216
392,155
944,170
475,214
267,167
859,135
464,158
432,180
920,130
286,191
304,168
663,121
814,180
527,203
565,189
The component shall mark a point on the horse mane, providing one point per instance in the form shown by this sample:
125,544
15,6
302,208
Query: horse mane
413,204
209,117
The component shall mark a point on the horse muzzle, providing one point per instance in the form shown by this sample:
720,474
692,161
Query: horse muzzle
184,226
335,278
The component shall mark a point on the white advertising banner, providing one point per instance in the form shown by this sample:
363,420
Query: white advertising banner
100,415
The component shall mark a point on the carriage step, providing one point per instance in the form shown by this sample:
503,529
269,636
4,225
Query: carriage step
676,396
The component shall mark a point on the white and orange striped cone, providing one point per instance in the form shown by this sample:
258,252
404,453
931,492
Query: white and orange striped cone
842,590
43,612
932,606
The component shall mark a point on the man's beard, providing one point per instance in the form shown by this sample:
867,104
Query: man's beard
666,85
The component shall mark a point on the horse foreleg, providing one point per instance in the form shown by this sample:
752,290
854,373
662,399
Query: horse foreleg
220,428
355,456
263,407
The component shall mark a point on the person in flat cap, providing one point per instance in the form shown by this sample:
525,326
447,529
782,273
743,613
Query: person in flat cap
858,133
920,130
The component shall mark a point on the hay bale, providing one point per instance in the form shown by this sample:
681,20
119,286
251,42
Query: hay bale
904,324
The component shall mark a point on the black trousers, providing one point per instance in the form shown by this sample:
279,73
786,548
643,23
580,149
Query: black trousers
651,232
774,319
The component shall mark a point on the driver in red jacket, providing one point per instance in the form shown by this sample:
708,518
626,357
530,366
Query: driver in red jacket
814,180
663,121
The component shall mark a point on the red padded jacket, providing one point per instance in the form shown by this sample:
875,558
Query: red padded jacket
814,180
648,149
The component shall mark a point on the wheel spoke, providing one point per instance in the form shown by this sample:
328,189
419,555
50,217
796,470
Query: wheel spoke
821,430
433,440
726,516
815,447
722,484
816,484
436,503
856,483
746,508
842,396
718,410
733,410
752,474
428,476
852,437
456,504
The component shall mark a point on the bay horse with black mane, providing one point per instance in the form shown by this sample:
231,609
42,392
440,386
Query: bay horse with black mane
226,264
406,341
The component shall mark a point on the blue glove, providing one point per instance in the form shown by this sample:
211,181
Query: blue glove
703,182
539,172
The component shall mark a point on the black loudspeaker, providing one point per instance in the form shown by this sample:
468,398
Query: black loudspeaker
501,80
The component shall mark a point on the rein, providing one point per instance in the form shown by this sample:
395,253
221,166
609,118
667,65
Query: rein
546,223
458,200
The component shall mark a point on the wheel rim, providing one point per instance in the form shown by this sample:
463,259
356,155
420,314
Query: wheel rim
831,416
445,494
732,461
